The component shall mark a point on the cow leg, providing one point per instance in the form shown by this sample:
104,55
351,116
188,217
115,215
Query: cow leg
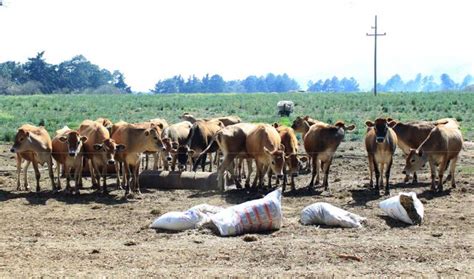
25,175
377,176
250,170
442,168
146,161
269,174
371,170
77,176
37,175
415,178
51,174
314,171
117,174
156,159
126,179
327,165
284,179
104,176
433,175
220,173
387,176
452,168
210,161
257,175
58,173
449,174
95,183
18,173
137,182
67,173
173,163
203,162
381,170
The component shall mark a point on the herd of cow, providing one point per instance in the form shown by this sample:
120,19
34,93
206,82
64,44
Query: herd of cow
101,144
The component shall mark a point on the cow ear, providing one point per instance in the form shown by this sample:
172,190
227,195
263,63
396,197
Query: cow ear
191,152
63,139
120,147
306,117
391,123
147,132
276,125
442,122
27,133
165,140
266,151
419,152
389,119
98,146
282,147
350,127
84,139
369,123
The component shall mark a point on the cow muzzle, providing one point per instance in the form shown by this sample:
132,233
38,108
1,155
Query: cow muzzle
72,154
111,162
295,174
169,158
280,176
13,149
379,139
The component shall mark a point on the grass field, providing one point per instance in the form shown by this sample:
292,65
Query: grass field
60,110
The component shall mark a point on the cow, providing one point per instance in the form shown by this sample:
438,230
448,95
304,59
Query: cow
290,142
100,151
442,145
137,139
68,152
321,142
232,143
380,143
226,120
106,123
302,123
264,145
199,137
412,134
173,136
161,123
34,145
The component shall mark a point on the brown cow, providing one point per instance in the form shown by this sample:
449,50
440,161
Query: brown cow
290,142
380,143
442,145
321,142
100,150
412,134
33,144
264,145
200,136
232,143
137,140
172,137
302,123
226,120
68,152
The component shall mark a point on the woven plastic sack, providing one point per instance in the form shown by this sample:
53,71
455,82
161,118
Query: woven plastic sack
405,207
327,214
190,219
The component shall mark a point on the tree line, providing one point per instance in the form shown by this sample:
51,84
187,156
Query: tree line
77,75
216,83
426,84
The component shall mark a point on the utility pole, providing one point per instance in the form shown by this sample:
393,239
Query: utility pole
375,35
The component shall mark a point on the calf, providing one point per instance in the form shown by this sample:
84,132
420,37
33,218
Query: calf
100,151
442,145
173,136
232,143
68,152
321,142
199,137
264,145
137,139
290,142
380,143
33,144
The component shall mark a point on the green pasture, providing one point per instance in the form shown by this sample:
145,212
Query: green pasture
60,110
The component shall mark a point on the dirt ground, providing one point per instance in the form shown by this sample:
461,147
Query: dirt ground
92,235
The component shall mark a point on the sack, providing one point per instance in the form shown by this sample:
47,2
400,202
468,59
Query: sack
253,216
190,219
327,214
405,207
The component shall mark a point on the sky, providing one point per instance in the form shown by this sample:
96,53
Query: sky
307,39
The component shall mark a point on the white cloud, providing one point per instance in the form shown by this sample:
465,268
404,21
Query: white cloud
151,40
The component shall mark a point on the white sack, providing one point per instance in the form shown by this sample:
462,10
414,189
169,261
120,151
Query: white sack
253,216
190,219
395,209
327,214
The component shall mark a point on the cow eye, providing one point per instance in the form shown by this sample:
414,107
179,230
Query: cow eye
412,160
273,162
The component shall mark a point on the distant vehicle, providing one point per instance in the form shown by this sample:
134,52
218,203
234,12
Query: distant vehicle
285,108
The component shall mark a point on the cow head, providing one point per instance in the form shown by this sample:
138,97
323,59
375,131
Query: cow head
341,125
183,153
416,160
381,126
300,124
22,140
108,149
153,140
277,160
74,142
293,164
168,148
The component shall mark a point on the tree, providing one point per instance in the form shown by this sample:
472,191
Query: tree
38,70
216,84
447,84
468,80
394,84
119,82
250,84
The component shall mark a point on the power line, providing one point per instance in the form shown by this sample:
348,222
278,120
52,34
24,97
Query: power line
375,35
